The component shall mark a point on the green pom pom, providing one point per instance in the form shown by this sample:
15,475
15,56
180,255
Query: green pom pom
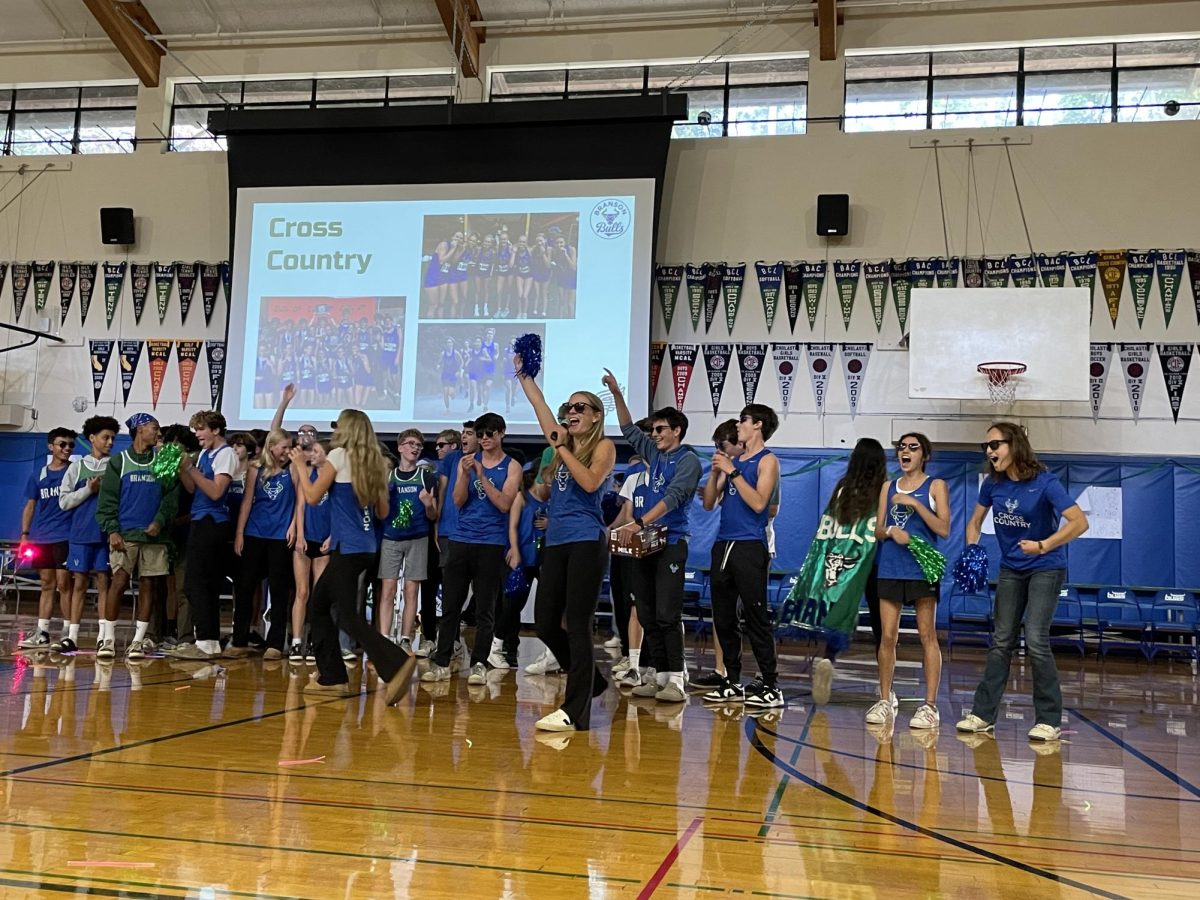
166,464
929,558
404,515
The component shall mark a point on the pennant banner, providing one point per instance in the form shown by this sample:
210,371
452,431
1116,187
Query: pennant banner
770,281
995,271
683,362
1170,278
901,287
186,274
793,280
658,352
130,352
1141,275
227,280
716,363
845,276
187,355
973,271
732,279
820,361
159,354
714,277
68,274
695,288
1111,264
1083,274
946,271
1135,363
667,279
750,360
101,351
43,274
114,279
210,283
1053,270
3,275
1101,360
87,284
164,278
1193,262
1175,359
787,361
877,275
216,370
1023,270
139,285
854,369
814,283
921,273
21,274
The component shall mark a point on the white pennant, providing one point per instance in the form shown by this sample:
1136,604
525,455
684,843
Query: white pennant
787,361
1135,363
1101,361
854,369
820,361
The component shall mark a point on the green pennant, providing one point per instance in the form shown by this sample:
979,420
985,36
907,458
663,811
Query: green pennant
695,288
1140,266
732,280
1170,276
877,275
667,278
901,289
811,286
845,276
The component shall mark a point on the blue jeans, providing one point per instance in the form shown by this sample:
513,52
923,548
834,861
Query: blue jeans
1032,596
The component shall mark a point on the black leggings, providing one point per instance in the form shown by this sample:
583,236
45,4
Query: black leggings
658,589
335,598
273,559
205,576
620,580
569,587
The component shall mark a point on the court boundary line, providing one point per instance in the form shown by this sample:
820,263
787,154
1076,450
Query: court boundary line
87,882
669,860
1134,751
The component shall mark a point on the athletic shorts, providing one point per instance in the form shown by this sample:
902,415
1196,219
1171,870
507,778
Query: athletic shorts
907,592
409,557
84,558
313,549
146,560
49,556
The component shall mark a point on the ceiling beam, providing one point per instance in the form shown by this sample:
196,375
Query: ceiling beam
118,18
457,16
827,23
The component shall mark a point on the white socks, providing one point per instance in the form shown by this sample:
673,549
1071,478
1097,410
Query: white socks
140,631
635,659
107,630
73,631
44,625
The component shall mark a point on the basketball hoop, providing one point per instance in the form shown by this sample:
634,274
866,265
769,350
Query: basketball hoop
1002,379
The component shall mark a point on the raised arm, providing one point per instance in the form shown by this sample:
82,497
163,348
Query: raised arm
289,393
537,400
623,417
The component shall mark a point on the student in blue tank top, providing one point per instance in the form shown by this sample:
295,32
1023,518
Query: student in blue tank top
914,505
355,477
664,499
263,540
576,546
208,480
744,486
486,484
524,551
1027,504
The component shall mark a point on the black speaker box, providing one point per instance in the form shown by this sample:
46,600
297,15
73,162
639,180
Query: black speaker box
833,215
116,225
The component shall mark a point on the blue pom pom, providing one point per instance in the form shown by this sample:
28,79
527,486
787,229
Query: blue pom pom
529,348
971,570
515,582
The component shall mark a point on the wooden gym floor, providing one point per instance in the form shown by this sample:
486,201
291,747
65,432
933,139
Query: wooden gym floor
172,779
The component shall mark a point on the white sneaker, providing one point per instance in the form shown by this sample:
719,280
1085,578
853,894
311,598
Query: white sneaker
422,648
621,665
926,716
630,678
436,673
556,721
1044,732
497,660
478,674
822,680
135,650
543,665
613,642
879,713
106,649
972,724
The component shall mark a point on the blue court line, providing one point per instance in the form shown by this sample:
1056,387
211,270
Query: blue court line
1129,748
769,818
756,742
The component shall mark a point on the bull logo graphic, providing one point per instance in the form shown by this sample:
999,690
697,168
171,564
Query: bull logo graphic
562,477
836,564
900,514
273,487
1011,504
479,491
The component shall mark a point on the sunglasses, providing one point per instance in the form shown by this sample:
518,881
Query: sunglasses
991,445
659,429
63,445
914,447
745,419
487,434
442,444
579,407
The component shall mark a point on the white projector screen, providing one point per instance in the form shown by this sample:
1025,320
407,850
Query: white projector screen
401,300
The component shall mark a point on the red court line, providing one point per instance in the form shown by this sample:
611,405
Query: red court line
669,860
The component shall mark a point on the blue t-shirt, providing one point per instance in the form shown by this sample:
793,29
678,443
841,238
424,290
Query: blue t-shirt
738,521
479,520
1026,511
274,506
203,507
574,513
405,488
895,561
51,523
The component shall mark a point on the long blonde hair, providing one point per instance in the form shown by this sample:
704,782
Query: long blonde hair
585,445
267,464
368,466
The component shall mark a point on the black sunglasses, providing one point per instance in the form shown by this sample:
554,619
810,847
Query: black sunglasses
659,429
486,434
914,447
63,445
991,445
579,407
441,444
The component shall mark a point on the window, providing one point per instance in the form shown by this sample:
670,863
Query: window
738,98
193,101
45,121
1075,84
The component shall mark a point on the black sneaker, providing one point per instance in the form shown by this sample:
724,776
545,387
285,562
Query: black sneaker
707,682
728,692
65,645
296,653
763,696
257,640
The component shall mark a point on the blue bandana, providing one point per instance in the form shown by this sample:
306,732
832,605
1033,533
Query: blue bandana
134,422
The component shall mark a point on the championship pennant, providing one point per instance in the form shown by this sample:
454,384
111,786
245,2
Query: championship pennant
1083,274
901,289
683,362
1053,270
667,279
139,286
1140,266
1170,278
787,361
1023,270
695,289
210,283
1098,375
946,271
770,282
68,274
21,273
921,272
227,280
164,279
854,369
185,274
750,361
972,271
129,353
877,276
43,275
995,271
814,283
1135,363
159,354
820,361
1175,359
714,277
1111,264
1193,263
845,276
187,356
87,284
101,351
793,283
716,364
114,280
658,352
732,279
216,370
3,275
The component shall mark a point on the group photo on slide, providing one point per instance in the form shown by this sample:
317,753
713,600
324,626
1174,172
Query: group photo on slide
337,351
500,266
468,368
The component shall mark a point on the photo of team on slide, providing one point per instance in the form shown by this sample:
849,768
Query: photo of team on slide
469,368
338,351
500,266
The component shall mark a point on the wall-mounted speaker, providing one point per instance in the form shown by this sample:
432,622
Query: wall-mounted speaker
833,215
116,225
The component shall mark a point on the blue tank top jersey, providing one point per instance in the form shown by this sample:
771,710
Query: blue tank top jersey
448,520
204,507
528,535
479,521
738,521
449,363
466,261
574,513
316,516
351,525
487,261
648,494
896,561
141,494
404,490
524,259
84,527
233,496
391,341
274,506
51,523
